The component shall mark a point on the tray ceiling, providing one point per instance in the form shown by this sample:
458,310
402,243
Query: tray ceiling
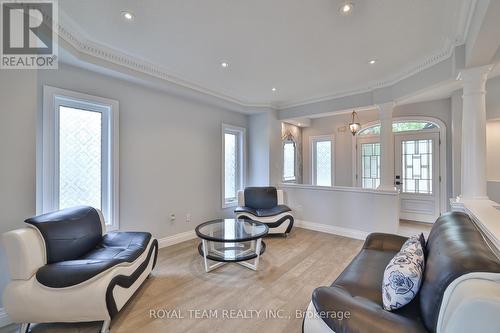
305,49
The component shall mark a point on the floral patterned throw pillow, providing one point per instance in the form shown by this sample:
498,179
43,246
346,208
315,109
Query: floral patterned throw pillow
403,274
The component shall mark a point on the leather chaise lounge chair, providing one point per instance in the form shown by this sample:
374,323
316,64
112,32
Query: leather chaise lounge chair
460,290
266,205
65,268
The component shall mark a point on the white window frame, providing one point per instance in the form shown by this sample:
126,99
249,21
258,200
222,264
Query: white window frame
294,178
359,152
241,133
312,141
48,150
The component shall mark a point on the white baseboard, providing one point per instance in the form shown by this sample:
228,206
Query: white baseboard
176,239
330,229
4,319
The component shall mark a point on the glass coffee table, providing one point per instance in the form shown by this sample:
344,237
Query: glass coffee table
231,240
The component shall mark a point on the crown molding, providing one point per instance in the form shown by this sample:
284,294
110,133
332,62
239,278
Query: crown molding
458,37
443,54
74,36
82,43
102,52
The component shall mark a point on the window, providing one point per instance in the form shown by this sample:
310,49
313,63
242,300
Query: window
322,160
370,165
233,153
400,126
289,161
79,153
417,166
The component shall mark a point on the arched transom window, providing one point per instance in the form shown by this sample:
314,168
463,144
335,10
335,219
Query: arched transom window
400,126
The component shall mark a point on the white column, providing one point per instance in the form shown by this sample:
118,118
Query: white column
386,147
474,132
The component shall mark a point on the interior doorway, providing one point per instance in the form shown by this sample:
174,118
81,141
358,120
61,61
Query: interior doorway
418,166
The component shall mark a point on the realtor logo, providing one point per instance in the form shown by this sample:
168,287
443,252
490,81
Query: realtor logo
29,38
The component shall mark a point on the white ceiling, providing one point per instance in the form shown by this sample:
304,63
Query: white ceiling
305,49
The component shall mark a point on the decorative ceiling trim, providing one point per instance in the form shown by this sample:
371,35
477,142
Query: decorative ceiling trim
428,62
93,49
80,42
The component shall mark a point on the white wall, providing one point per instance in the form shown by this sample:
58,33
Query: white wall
456,145
493,137
493,98
17,150
265,162
170,151
275,148
493,150
349,211
440,109
258,150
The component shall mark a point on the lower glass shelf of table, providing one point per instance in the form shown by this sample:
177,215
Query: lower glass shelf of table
231,240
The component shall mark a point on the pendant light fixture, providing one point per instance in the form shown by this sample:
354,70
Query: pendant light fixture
354,126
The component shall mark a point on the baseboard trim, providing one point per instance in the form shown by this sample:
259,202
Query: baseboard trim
4,319
176,239
330,229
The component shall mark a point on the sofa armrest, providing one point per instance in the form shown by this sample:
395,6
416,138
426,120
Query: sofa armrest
343,312
25,252
384,242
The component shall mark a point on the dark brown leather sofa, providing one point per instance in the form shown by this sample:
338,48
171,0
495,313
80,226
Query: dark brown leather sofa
461,286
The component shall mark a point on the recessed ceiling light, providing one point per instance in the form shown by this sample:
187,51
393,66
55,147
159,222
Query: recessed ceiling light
346,8
224,64
273,89
372,62
128,15
300,124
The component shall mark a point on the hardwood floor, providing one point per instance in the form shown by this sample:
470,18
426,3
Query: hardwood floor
288,272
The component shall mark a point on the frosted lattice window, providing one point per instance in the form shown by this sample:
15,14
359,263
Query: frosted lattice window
289,161
230,166
370,165
417,166
324,163
79,157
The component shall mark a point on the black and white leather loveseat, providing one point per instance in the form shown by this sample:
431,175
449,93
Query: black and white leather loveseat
460,291
266,205
65,268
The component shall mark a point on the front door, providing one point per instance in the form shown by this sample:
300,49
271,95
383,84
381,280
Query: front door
417,175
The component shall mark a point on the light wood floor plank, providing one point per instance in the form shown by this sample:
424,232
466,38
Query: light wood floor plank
288,272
